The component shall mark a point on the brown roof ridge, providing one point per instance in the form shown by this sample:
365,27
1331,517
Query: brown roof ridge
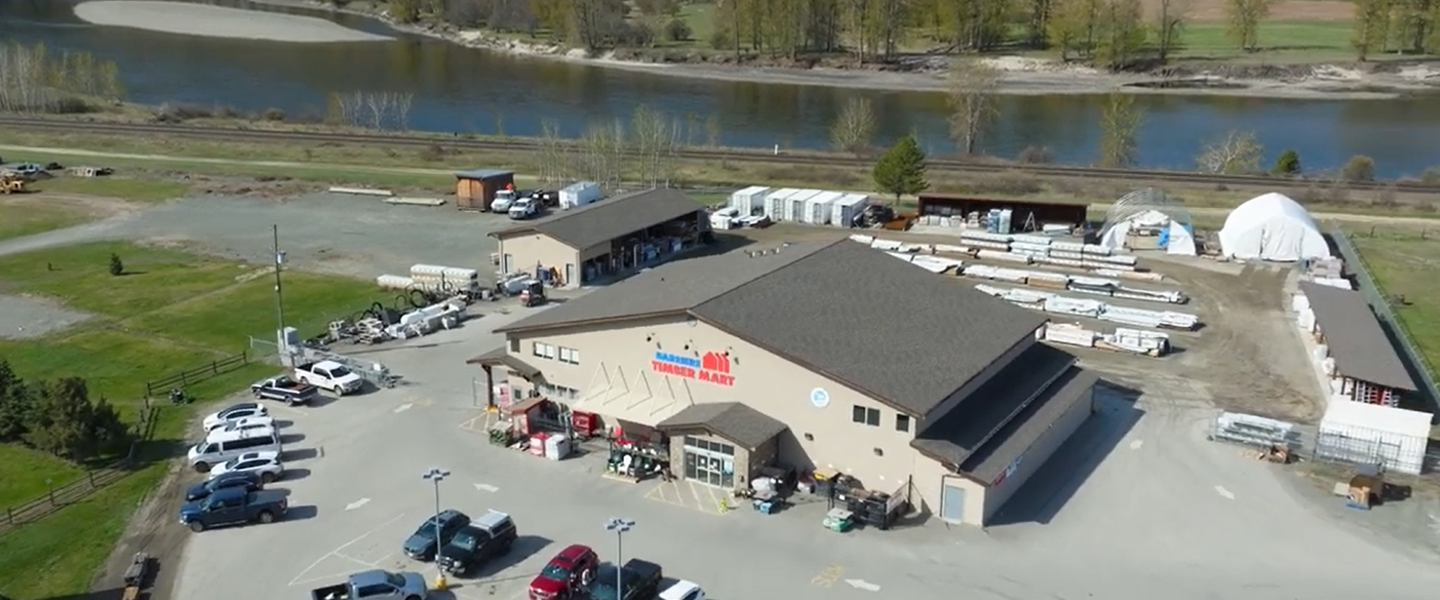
813,252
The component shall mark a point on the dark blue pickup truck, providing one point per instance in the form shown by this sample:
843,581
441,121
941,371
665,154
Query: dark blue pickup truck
233,506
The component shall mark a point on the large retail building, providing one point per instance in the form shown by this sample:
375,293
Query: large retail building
816,356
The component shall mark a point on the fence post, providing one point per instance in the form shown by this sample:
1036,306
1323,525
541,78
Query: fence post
10,516
91,475
183,382
214,367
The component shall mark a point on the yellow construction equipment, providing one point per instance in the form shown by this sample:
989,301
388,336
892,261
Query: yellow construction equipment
11,183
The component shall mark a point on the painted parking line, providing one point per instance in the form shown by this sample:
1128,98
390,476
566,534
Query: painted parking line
667,492
339,553
479,423
687,494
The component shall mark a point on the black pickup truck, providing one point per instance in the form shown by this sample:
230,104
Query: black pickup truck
285,389
233,506
487,536
641,579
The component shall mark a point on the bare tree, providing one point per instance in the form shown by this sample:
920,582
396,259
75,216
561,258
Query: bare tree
1245,17
1120,125
972,102
650,138
403,102
1170,20
854,127
1236,153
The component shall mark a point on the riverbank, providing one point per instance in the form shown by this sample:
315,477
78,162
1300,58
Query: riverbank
1021,75
218,21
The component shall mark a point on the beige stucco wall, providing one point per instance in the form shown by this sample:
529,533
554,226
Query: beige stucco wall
526,250
1038,454
617,357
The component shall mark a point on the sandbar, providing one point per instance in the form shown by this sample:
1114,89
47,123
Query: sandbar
218,21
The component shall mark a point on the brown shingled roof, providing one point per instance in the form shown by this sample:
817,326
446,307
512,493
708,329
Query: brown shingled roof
597,223
1360,347
855,315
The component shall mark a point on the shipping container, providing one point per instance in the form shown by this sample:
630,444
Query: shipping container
749,201
844,211
795,205
818,208
775,203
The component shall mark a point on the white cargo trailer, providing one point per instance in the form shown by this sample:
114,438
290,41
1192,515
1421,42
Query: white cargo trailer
579,194
795,205
776,201
749,201
817,209
844,210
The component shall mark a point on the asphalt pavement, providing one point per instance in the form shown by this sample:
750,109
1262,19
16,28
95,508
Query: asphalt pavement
1139,504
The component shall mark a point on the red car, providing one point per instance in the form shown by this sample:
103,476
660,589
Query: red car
566,575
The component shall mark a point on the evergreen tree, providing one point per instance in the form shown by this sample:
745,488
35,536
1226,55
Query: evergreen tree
1288,163
116,267
901,169
15,404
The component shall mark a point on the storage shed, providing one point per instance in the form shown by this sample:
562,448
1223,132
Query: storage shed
1025,212
475,189
1359,433
1366,366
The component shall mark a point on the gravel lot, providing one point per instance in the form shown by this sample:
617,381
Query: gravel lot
218,21
24,318
1139,487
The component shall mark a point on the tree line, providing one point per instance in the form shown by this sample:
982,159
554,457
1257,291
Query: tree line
648,146
1114,34
34,80
58,416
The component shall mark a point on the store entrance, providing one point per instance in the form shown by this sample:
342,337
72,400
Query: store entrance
710,463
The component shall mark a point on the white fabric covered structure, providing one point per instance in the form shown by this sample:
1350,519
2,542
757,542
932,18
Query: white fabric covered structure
1272,227
1360,433
1178,238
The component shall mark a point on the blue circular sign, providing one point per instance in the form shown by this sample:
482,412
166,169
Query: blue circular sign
819,397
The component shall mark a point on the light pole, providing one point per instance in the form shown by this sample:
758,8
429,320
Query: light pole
619,526
436,475
279,303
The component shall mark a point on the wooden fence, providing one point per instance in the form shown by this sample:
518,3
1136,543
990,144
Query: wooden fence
187,378
94,480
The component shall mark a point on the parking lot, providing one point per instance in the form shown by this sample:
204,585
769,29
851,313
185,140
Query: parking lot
1231,526
1139,501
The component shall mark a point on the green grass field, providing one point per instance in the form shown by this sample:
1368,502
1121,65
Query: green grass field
1280,41
124,188
21,219
1404,262
172,311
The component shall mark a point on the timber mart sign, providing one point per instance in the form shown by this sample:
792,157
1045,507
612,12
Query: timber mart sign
711,367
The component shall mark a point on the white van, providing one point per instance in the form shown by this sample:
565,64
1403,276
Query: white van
222,445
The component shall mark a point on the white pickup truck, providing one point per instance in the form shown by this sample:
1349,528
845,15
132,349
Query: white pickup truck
329,375
524,208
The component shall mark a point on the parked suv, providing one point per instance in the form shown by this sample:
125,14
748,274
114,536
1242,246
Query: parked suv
486,537
423,544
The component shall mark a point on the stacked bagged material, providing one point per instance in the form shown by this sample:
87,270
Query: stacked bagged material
442,278
394,282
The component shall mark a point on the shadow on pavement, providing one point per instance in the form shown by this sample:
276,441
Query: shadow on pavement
1051,487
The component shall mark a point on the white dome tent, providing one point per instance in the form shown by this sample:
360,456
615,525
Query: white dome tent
1272,227
1153,210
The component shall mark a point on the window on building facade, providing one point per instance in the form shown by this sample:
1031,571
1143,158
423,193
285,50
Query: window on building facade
514,345
902,422
540,349
558,392
569,355
867,416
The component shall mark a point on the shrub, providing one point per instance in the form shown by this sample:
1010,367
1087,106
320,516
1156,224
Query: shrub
273,114
117,268
1288,163
69,105
1431,176
1358,168
722,39
1010,184
677,30
1035,155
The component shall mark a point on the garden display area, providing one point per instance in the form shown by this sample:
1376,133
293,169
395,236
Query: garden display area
64,314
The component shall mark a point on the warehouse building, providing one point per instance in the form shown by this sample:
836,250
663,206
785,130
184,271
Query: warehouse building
607,238
815,356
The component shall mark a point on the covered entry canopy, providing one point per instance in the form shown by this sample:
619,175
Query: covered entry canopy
1272,227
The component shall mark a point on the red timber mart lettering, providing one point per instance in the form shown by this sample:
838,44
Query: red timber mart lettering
712,367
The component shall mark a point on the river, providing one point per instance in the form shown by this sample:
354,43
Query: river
471,90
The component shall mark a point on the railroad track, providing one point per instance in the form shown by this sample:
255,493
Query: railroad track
532,145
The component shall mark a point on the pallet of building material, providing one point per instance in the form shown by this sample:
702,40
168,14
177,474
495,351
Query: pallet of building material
984,236
1074,247
1166,296
1029,247
1062,262
1119,259
1149,276
1335,282
863,239
934,264
1093,264
1070,335
1076,256
951,249
1074,306
1251,430
883,244
1032,240
1135,341
1003,256
995,273
1056,229
984,245
394,282
1096,250
1090,291
902,256
1093,282
1047,283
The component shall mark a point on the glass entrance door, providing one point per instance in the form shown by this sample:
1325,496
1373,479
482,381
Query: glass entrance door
708,463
